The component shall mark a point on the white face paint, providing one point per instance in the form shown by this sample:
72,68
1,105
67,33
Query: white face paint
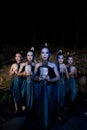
60,59
45,54
70,60
30,56
18,58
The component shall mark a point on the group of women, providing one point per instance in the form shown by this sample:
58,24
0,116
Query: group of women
42,87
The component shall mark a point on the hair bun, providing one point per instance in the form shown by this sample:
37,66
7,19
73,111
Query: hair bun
68,53
32,48
46,44
60,51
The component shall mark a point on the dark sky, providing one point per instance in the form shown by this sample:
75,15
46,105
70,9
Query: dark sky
64,26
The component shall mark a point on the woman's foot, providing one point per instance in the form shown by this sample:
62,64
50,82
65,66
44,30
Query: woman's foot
23,108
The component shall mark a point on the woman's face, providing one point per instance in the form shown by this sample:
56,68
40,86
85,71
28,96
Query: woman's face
30,56
45,54
18,57
70,60
60,59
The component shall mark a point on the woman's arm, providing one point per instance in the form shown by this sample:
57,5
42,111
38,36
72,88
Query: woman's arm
36,77
57,77
11,72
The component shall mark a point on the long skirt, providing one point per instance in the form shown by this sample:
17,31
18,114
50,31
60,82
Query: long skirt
73,89
15,88
46,104
27,93
60,94
36,97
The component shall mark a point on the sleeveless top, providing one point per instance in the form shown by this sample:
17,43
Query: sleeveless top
32,66
62,74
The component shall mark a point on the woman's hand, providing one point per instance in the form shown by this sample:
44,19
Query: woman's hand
27,74
48,78
41,78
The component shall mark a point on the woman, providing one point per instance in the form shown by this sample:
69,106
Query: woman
16,81
60,89
46,75
71,84
27,86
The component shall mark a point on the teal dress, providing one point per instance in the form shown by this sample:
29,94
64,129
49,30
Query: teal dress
15,87
71,86
60,89
45,94
27,91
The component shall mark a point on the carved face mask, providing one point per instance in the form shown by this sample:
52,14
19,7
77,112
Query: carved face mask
43,71
28,68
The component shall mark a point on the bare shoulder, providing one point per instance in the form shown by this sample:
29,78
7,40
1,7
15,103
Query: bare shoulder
23,64
38,64
13,65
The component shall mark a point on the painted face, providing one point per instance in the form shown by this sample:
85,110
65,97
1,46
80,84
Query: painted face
60,59
30,56
18,57
45,54
70,60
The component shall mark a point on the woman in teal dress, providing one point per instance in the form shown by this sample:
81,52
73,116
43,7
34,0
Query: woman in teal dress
16,81
71,83
46,74
27,86
60,89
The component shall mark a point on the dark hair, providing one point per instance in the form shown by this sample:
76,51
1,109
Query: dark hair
32,50
60,52
45,45
68,55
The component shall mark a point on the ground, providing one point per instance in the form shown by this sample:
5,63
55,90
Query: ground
77,118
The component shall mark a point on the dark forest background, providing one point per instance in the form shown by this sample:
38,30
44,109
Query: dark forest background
65,27
62,28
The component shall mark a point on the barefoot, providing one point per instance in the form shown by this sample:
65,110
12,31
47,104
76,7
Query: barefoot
23,108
